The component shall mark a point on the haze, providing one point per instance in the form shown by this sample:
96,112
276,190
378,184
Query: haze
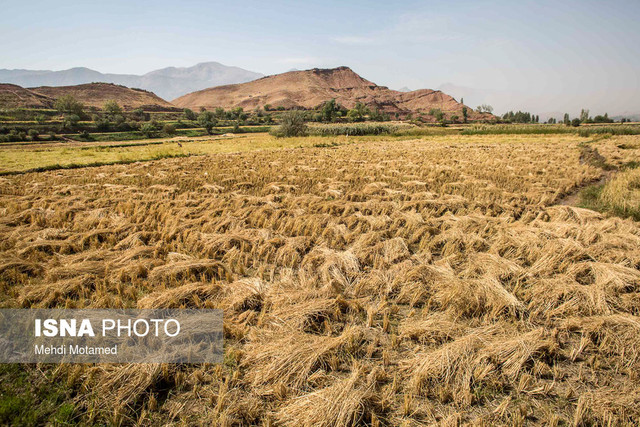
543,56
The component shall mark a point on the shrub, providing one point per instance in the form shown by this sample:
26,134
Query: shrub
189,115
148,129
353,116
207,121
70,121
169,129
103,124
33,134
122,125
111,107
67,104
575,122
292,124
219,113
84,135
437,113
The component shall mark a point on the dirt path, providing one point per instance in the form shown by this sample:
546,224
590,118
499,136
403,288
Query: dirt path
573,198
590,156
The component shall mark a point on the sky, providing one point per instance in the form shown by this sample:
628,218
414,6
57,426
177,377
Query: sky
539,56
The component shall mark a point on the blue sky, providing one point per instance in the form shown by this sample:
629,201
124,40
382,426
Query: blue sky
544,56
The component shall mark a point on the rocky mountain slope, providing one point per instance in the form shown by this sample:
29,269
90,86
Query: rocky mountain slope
96,94
309,89
13,96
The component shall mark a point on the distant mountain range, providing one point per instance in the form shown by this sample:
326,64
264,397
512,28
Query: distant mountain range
634,117
168,83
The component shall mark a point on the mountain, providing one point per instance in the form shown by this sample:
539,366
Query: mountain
167,83
634,117
404,89
309,89
12,96
96,94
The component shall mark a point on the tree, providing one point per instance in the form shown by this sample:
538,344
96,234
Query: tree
33,134
219,113
465,114
575,122
70,121
461,100
189,114
41,118
207,121
292,124
354,115
328,110
112,108
378,116
584,116
437,113
602,119
148,129
484,108
102,124
67,104
169,129
566,120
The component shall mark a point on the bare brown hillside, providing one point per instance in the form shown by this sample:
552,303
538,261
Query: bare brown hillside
14,96
309,89
96,94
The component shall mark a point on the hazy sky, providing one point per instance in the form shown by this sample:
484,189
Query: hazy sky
544,56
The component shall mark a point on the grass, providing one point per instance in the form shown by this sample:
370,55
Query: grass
517,130
543,129
25,400
612,130
136,135
27,159
34,158
357,129
370,280
619,196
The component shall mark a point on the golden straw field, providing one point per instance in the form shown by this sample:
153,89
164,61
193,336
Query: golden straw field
367,281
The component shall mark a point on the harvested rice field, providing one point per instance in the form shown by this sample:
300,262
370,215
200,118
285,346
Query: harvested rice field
375,282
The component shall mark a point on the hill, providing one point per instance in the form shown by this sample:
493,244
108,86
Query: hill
96,94
167,83
13,96
309,89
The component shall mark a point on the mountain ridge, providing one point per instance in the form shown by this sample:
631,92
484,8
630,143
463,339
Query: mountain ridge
161,82
96,94
310,88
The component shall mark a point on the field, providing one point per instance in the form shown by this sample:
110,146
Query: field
364,280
